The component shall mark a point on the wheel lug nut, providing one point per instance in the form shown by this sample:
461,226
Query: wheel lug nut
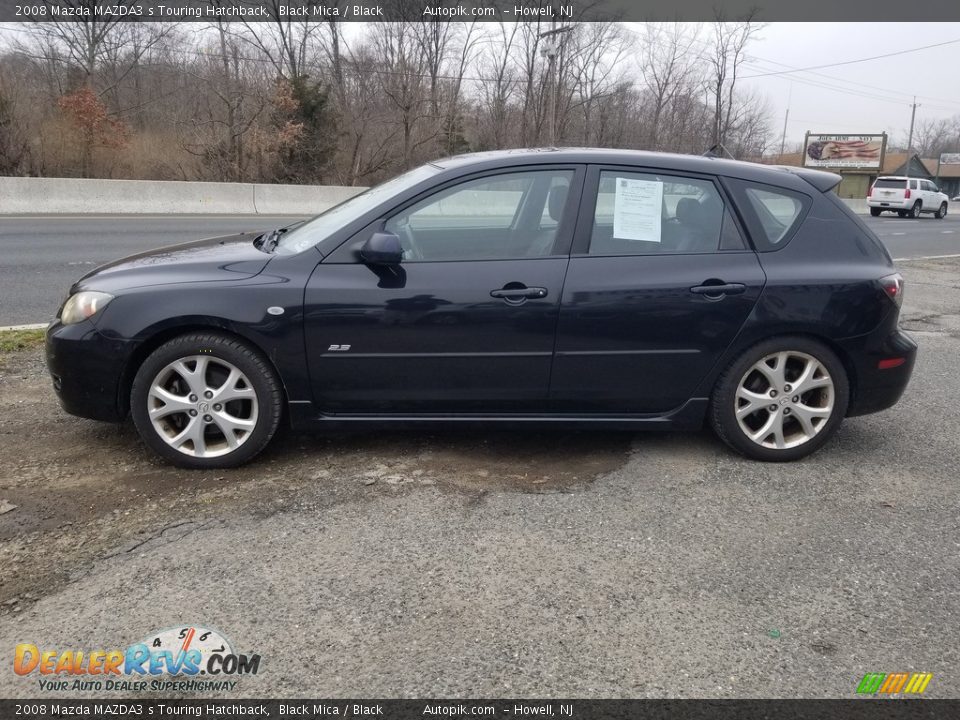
217,407
207,418
773,408
208,394
786,411
795,398
787,388
193,413
773,393
193,398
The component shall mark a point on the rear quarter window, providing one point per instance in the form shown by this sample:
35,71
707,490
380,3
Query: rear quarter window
772,214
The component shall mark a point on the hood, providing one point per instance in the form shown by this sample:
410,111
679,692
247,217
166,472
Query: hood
233,257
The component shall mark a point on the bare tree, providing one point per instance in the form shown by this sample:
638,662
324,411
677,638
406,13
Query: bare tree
730,41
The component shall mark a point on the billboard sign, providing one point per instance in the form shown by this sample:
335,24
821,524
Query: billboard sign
844,151
950,158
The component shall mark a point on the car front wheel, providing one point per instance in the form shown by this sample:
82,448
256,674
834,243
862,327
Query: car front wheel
781,400
206,400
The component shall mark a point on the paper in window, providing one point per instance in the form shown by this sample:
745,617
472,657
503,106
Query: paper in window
637,209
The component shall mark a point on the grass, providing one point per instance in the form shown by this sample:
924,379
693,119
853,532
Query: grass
18,340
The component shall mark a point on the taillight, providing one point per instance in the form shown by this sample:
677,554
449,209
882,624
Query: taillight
870,191
906,194
893,286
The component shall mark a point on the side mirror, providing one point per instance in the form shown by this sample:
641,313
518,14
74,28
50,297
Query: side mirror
382,248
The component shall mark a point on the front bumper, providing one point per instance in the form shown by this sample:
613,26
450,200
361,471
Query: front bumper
877,389
86,368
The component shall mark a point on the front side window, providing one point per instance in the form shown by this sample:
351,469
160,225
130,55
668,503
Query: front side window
319,228
499,217
644,213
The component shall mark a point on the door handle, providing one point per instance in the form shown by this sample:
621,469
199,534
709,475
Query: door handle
719,289
519,294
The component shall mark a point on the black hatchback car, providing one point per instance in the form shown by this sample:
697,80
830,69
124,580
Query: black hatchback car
601,288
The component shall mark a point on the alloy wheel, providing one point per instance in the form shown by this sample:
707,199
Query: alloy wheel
202,406
784,400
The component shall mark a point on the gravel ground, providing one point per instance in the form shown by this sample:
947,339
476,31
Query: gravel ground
492,563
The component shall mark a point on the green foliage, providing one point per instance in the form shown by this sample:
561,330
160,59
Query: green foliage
306,131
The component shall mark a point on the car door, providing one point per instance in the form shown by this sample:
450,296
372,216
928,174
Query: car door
659,284
467,322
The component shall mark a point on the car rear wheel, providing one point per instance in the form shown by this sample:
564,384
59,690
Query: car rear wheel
875,212
915,210
781,400
941,212
206,401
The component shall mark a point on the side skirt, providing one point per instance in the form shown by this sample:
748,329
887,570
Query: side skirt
689,416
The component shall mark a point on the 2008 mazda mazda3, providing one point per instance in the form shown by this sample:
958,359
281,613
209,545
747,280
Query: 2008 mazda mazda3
602,288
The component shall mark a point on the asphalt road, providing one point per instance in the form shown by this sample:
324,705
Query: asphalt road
43,255
490,563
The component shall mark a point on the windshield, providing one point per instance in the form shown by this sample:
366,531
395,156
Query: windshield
313,231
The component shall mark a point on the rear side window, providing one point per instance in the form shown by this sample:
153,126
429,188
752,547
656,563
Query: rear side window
772,213
647,214
890,184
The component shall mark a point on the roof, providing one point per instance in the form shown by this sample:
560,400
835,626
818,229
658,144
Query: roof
667,161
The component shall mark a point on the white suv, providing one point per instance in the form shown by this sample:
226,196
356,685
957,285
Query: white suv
907,196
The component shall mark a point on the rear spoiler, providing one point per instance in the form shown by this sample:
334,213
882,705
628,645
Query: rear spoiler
822,181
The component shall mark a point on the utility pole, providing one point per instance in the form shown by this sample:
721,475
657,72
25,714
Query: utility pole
550,51
913,115
786,116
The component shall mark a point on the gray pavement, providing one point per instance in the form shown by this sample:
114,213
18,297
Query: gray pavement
455,564
43,255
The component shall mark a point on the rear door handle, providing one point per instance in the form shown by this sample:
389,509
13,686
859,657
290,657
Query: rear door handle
721,289
519,294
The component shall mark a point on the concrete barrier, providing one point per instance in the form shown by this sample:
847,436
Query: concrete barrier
858,205
73,196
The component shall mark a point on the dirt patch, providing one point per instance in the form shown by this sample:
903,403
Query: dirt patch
85,491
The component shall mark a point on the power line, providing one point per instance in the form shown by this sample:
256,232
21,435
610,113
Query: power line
855,83
852,62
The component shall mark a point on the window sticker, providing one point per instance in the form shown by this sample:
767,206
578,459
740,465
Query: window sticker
637,209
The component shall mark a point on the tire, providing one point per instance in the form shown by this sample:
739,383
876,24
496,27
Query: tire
916,209
875,212
824,403
941,212
189,427
901,213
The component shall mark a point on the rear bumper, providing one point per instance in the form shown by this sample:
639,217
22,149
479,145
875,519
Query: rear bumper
893,204
878,389
86,368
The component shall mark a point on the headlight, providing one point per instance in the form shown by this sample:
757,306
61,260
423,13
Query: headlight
83,305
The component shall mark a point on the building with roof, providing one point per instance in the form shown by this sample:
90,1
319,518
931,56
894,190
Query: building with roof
858,181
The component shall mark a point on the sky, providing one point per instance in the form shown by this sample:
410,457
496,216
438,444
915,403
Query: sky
861,98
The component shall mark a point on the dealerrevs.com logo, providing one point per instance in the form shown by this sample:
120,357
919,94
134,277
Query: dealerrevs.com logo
181,659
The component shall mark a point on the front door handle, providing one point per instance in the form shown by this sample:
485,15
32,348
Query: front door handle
719,289
519,294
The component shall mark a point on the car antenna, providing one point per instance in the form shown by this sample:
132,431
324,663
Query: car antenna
719,151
